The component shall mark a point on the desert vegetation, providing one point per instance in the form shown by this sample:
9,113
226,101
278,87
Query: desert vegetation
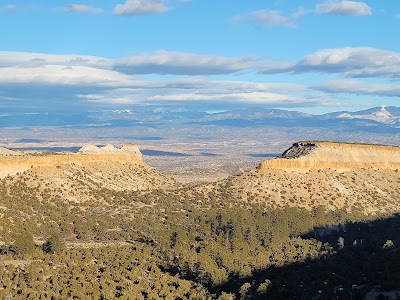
107,231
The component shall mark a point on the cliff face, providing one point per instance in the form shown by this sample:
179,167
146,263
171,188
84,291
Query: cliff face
305,156
12,163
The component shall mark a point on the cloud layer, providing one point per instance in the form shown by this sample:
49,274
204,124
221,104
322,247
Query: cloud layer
182,63
32,60
98,80
129,80
358,87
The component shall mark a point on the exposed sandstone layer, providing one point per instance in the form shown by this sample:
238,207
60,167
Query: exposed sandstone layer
13,162
127,149
309,155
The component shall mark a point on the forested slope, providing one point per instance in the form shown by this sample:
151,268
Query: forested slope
236,237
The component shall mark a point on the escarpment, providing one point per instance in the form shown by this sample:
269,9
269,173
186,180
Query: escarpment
308,155
13,162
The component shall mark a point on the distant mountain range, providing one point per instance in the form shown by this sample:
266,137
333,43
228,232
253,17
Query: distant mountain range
374,120
377,119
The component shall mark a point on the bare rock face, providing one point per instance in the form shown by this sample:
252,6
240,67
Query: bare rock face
89,149
299,149
131,149
109,149
308,155
5,151
12,164
126,149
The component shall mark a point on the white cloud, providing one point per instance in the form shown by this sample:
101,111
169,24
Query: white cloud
62,75
140,7
350,61
161,62
344,8
60,69
271,18
358,87
182,63
82,8
197,90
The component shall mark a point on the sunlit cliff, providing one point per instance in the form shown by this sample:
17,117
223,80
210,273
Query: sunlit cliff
308,155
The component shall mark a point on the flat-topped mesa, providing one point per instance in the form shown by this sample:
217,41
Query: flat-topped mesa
308,155
13,162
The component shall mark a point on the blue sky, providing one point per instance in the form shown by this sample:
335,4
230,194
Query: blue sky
313,56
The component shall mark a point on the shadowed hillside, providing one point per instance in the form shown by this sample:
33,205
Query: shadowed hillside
363,264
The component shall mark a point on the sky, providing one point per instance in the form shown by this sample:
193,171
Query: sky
310,56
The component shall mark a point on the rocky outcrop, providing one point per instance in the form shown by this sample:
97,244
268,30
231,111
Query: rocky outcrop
307,155
13,162
126,149
299,149
5,151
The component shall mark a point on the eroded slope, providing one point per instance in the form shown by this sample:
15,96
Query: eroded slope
359,191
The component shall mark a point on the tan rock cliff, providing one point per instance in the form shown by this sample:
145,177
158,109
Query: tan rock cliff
12,162
308,155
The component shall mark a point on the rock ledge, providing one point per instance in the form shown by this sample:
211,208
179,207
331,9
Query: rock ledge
307,155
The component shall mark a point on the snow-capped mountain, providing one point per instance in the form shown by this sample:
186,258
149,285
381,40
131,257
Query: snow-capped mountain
385,115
